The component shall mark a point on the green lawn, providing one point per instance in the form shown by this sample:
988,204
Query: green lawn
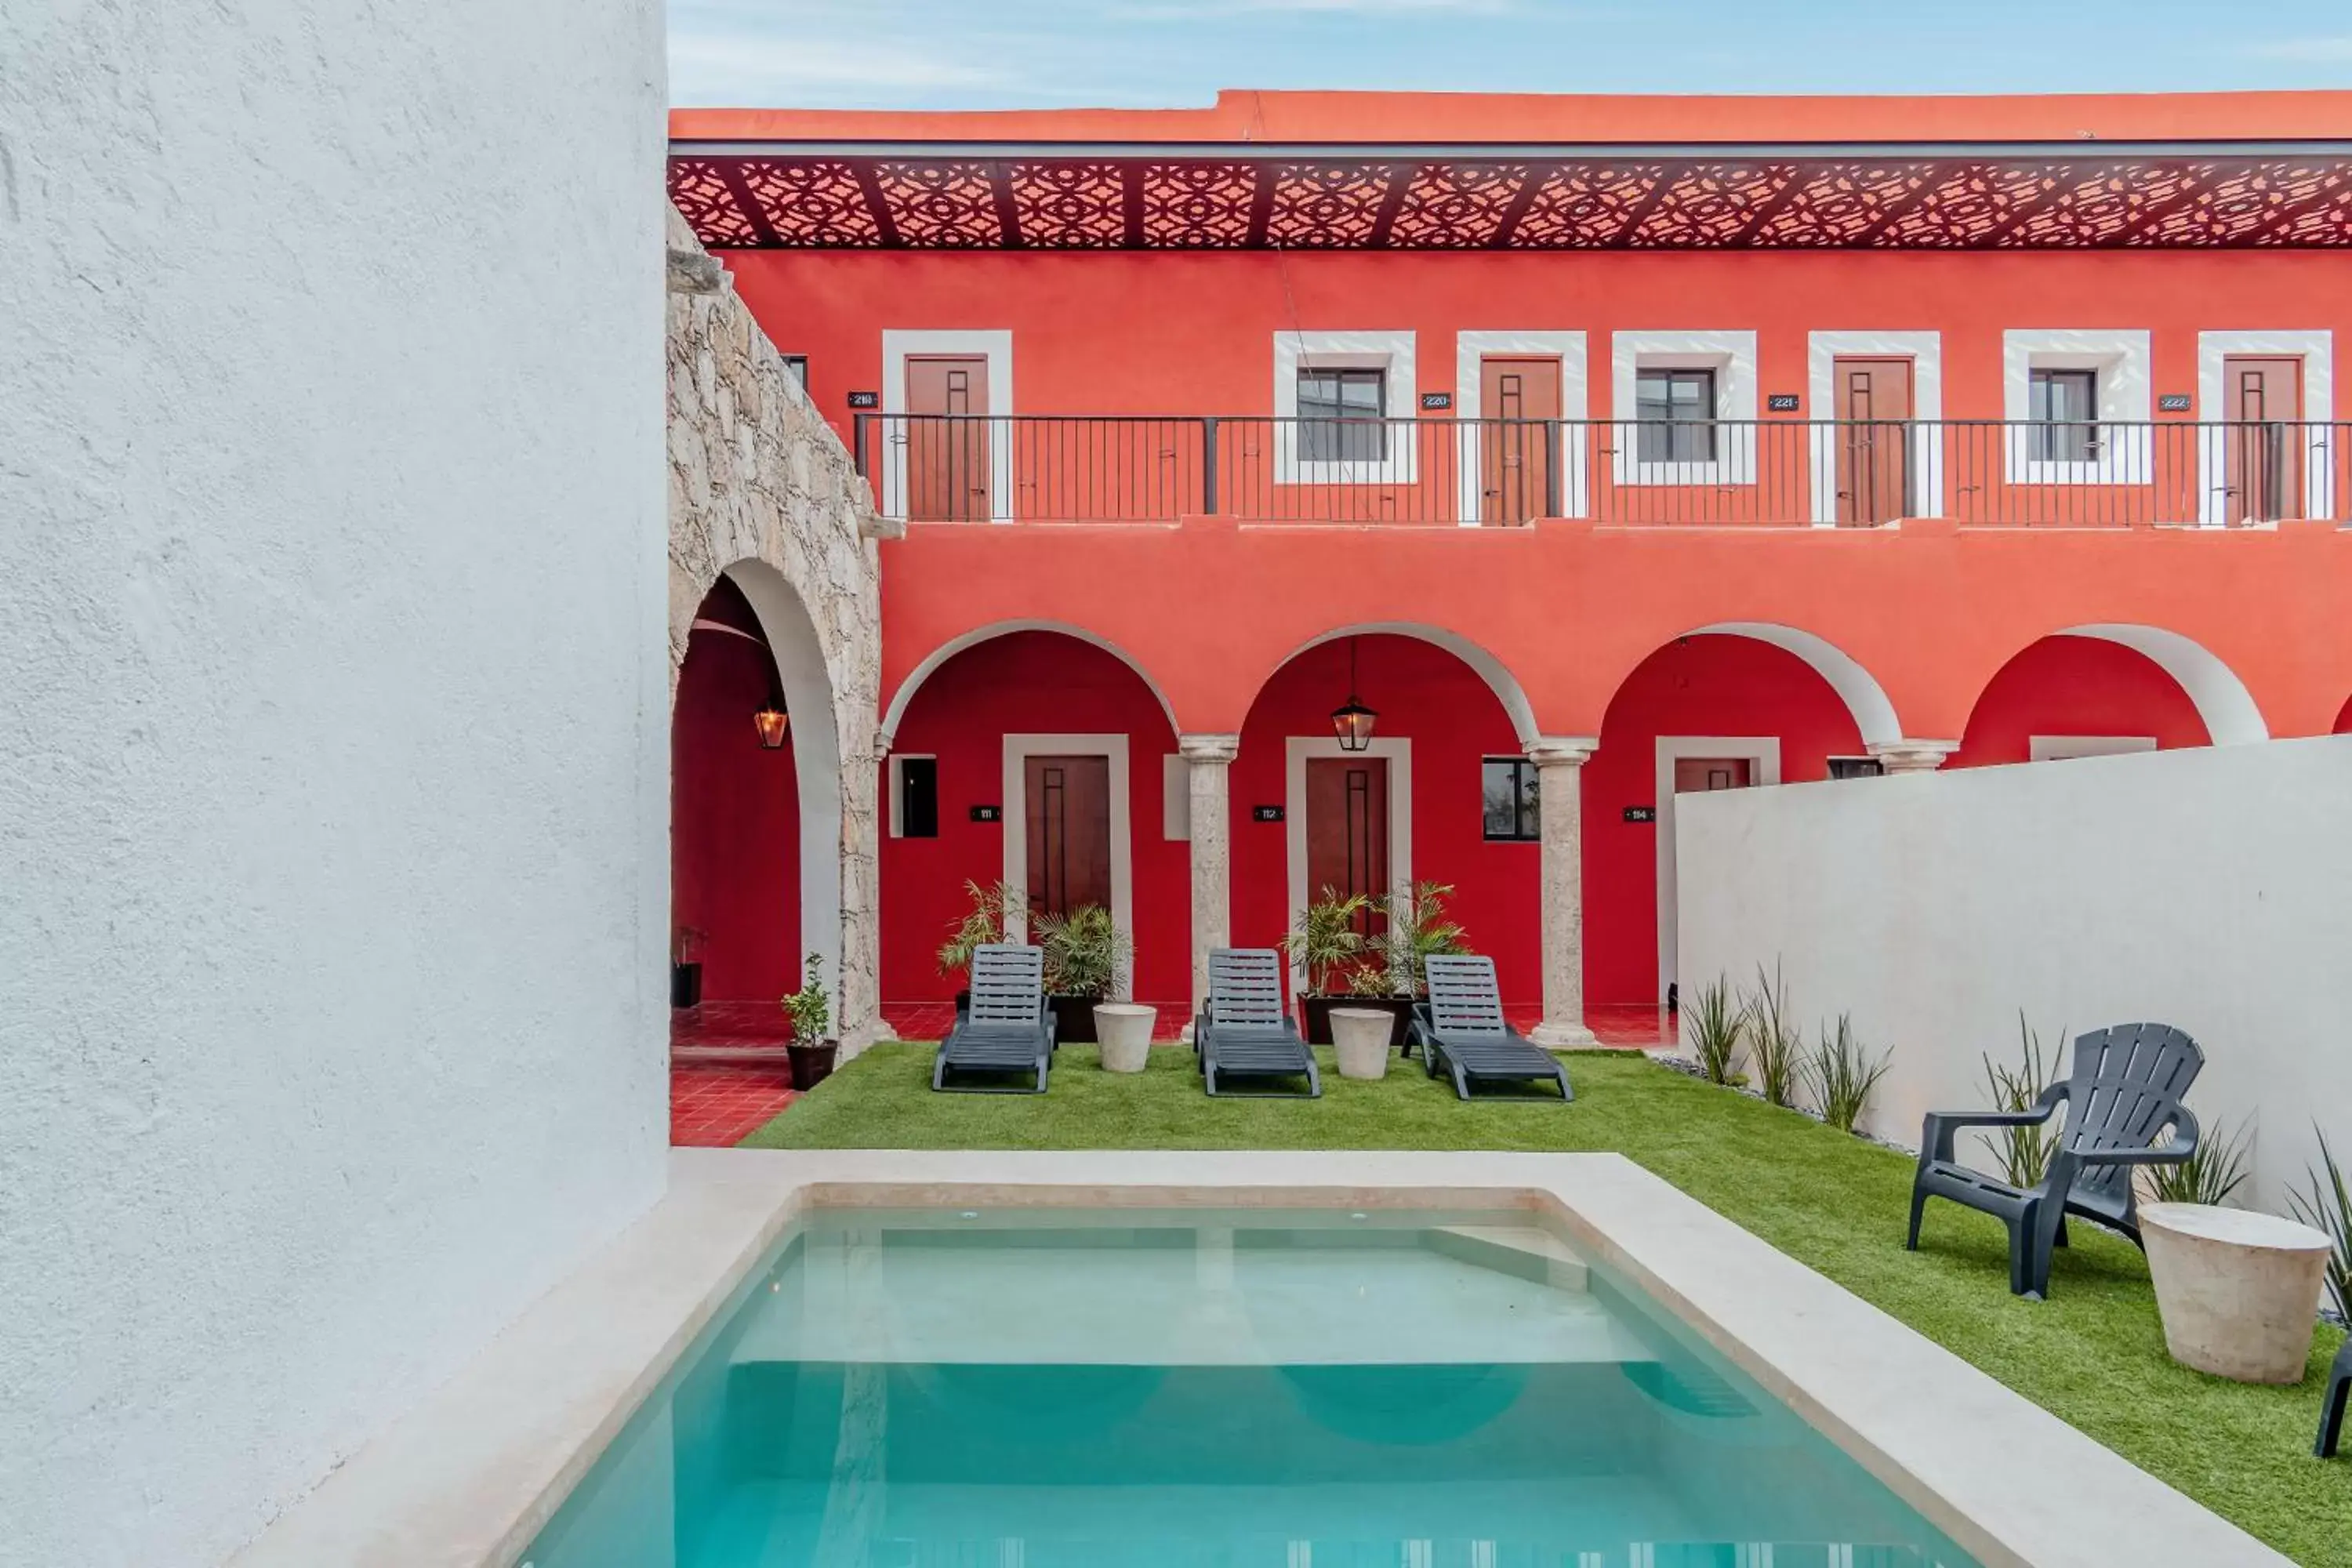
2093,1354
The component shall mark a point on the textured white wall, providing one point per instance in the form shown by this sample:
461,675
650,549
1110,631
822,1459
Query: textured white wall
2209,889
334,719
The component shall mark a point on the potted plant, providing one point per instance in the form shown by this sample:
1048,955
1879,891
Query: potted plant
686,966
1335,956
1085,956
981,924
811,1011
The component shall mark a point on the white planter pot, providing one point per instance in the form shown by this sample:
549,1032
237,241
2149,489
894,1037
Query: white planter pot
1359,1039
1123,1031
2238,1291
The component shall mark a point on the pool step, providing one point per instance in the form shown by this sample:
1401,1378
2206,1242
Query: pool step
1522,1251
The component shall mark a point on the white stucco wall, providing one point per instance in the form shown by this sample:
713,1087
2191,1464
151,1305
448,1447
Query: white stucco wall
333,725
2204,888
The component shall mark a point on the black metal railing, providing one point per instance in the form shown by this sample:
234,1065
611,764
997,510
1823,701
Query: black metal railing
1507,472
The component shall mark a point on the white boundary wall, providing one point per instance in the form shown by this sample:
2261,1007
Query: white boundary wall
333,726
2209,889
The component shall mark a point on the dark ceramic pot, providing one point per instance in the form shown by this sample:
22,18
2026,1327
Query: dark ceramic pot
811,1064
686,984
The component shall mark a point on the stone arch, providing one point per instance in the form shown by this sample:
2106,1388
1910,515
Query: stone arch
1865,697
2221,698
929,666
1492,670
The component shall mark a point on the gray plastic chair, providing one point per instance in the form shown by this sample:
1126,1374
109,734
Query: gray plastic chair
1460,1029
1005,1028
2124,1088
2331,1409
1244,1031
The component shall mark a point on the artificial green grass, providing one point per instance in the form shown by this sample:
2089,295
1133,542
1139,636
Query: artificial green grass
2093,1355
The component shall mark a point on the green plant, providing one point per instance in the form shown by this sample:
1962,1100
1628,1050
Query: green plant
1718,1026
809,1009
2209,1176
1327,945
1086,952
981,924
1416,931
2330,1210
1841,1075
1775,1047
2023,1152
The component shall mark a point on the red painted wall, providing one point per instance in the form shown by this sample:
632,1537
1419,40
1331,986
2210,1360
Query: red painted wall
2077,686
1721,685
1027,682
1426,694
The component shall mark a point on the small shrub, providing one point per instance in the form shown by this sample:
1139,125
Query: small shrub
2023,1152
2209,1176
1718,1027
2328,1209
1841,1075
1327,944
809,1009
1085,953
1775,1048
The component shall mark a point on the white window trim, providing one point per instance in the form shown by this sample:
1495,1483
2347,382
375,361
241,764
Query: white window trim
1175,798
1297,751
898,784
2316,348
1925,353
898,345
2121,358
1470,351
1391,352
2060,748
1763,754
1018,749
1732,356
1521,757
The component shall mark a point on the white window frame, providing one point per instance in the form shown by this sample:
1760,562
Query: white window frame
1732,356
995,346
1296,749
2061,748
1763,756
898,784
2122,360
1471,351
1925,349
1018,749
1391,352
2316,348
1176,798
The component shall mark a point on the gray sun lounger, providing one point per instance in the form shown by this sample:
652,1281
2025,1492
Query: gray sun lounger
1244,1032
2125,1087
1005,1029
1460,1030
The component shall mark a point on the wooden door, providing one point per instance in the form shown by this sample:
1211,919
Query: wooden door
1873,408
2262,401
1698,773
947,467
1067,810
1348,829
1519,403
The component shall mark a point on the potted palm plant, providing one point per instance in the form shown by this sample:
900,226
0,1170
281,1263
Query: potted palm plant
1335,957
1086,957
811,1011
981,924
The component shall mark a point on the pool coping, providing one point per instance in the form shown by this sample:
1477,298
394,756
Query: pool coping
469,1477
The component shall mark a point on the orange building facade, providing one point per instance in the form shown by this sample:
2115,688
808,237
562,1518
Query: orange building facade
1603,450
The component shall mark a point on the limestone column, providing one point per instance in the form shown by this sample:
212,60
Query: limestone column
1209,761
1911,756
1560,800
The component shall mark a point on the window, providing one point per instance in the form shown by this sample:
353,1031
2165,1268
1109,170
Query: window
1855,767
1510,800
1342,415
915,808
796,366
2064,406
1676,410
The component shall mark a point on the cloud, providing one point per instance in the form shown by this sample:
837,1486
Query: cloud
2336,50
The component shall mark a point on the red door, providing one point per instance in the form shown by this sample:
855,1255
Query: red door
1069,817
2263,399
1348,829
1519,402
1873,399
948,478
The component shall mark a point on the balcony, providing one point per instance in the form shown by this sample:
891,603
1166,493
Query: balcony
1446,472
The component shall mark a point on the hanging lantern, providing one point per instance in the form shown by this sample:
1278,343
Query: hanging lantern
772,722
1352,722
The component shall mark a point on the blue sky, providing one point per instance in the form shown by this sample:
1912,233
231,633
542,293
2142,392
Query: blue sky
983,53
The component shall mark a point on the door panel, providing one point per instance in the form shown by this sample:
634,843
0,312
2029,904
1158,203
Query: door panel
1516,460
948,468
1348,829
1872,405
1067,809
2262,400
1711,773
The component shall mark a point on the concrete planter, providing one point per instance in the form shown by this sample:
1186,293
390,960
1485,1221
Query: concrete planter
2239,1291
1124,1032
1359,1037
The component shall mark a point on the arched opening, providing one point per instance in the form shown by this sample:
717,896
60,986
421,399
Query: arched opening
2344,719
2096,692
1041,758
895,711
1442,792
1726,707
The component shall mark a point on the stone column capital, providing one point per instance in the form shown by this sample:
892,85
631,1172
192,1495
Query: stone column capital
1908,756
1208,748
882,744
1562,751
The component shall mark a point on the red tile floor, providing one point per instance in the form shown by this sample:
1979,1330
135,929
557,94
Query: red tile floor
728,1077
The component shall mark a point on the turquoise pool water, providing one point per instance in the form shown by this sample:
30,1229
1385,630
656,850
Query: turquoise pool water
1068,1389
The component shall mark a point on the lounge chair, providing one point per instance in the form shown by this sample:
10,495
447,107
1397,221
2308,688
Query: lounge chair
1004,1030
2331,1407
1245,1032
2125,1087
1460,1029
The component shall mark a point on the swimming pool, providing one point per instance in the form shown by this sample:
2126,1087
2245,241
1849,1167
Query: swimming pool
1040,1387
